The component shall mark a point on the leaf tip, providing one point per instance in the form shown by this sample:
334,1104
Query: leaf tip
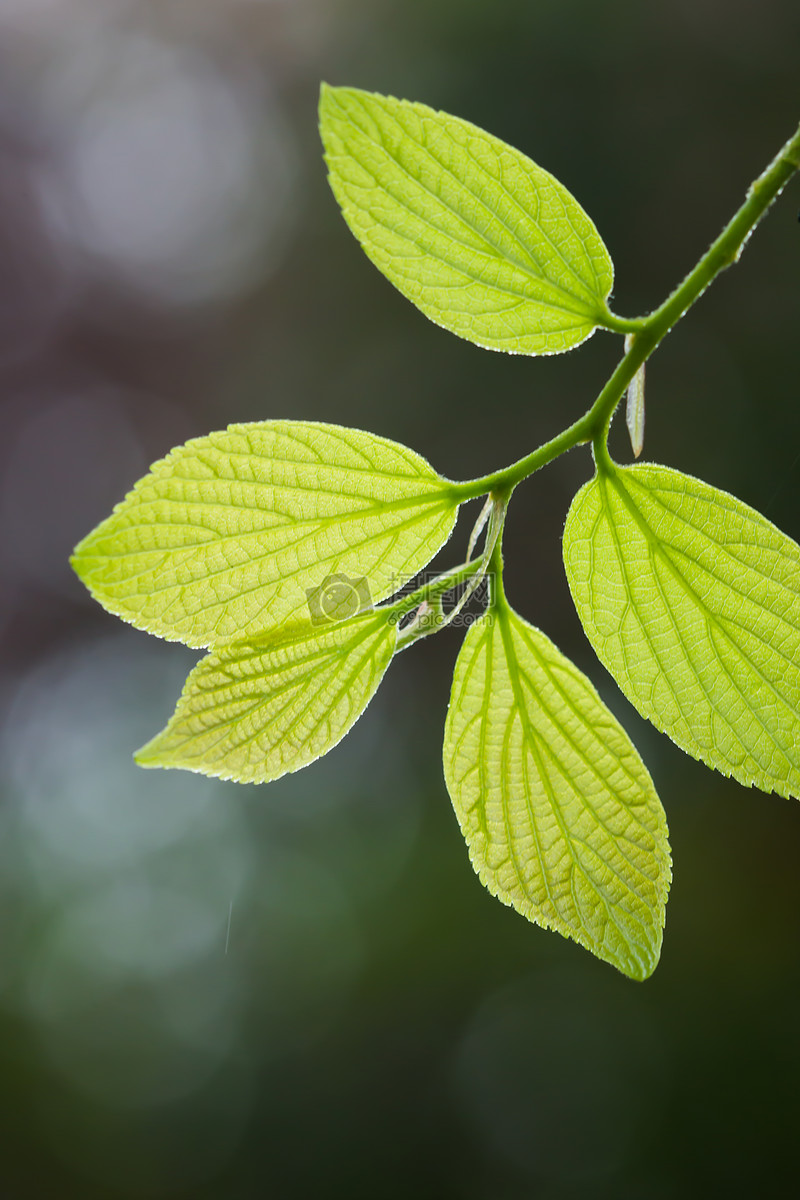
79,556
327,97
87,561
647,970
634,957
152,753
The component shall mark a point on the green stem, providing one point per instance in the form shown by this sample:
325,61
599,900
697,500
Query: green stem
649,331
471,572
721,254
509,477
494,571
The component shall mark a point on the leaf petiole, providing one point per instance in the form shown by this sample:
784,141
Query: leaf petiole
430,617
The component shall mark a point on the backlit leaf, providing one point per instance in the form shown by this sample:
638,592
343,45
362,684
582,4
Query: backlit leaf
241,531
692,601
634,407
480,238
559,813
252,711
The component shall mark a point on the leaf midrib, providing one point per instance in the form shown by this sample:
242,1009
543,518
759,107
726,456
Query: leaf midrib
318,526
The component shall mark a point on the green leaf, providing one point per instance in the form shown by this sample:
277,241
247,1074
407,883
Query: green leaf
482,240
241,531
252,711
559,813
692,601
634,408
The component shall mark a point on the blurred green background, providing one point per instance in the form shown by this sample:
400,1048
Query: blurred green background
302,990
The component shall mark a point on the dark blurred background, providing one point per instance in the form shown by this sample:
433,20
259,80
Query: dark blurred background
302,990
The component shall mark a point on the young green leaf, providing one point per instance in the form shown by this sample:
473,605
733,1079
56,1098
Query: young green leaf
559,813
237,533
692,601
480,238
252,711
634,408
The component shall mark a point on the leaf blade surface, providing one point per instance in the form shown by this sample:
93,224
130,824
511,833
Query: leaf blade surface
253,711
234,533
559,812
475,234
691,599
